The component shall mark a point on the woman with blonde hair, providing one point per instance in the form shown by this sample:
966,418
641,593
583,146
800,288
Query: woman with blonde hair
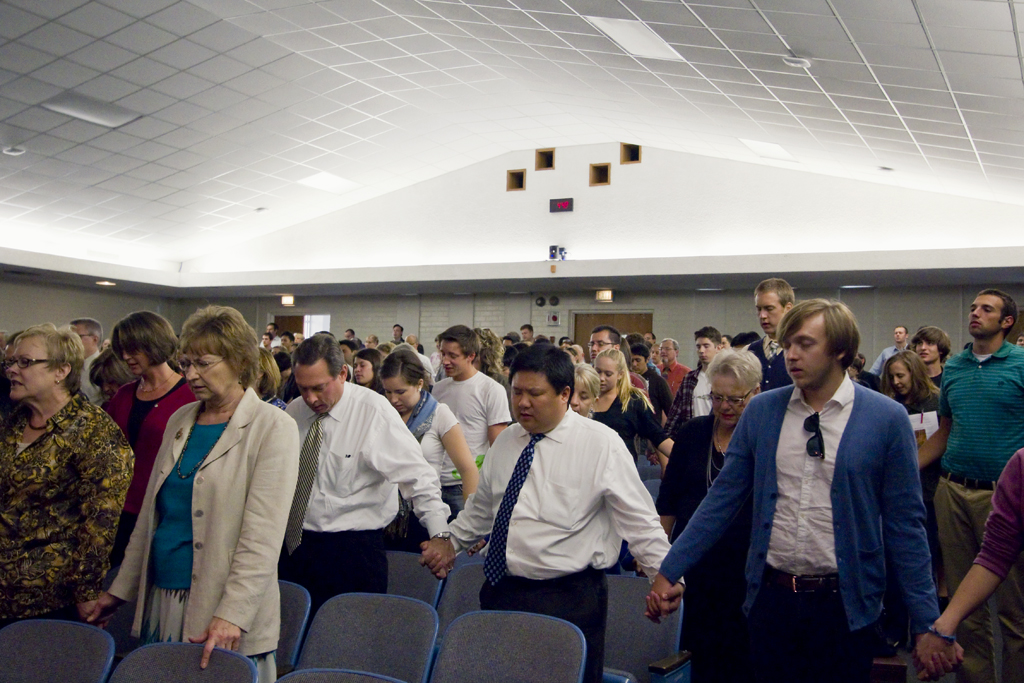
202,562
588,387
65,468
625,408
269,380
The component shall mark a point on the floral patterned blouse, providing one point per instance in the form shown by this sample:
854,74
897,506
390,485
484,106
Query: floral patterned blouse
60,500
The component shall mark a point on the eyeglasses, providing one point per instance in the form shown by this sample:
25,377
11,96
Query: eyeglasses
815,444
22,362
200,365
734,401
599,343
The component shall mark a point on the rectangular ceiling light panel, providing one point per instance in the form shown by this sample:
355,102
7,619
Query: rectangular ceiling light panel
635,38
92,110
328,182
768,150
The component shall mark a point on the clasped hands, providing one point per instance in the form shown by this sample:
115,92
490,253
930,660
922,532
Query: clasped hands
438,555
664,598
934,657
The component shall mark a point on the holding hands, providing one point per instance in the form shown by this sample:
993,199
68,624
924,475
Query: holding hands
438,555
934,657
664,599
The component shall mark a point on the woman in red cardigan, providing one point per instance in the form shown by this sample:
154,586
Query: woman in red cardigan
146,341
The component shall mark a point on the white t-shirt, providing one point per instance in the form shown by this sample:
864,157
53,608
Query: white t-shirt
702,395
433,448
477,403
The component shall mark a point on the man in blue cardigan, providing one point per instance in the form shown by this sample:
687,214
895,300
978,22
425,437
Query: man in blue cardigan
833,471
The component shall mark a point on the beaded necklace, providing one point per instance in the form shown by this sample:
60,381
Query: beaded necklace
185,448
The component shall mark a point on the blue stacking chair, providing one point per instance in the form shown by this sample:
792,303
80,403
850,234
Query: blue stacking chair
46,650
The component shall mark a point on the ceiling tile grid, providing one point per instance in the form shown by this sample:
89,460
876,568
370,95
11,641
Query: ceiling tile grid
242,99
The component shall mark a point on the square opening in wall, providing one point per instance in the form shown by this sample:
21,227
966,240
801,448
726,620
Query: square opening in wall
629,154
600,174
545,159
516,180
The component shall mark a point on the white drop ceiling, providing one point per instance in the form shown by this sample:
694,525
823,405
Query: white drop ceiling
242,99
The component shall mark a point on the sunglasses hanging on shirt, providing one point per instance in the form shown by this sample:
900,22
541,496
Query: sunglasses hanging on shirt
815,444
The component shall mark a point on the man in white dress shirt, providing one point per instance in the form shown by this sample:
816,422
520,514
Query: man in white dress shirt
557,492
334,543
91,333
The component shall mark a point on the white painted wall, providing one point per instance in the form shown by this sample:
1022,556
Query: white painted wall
674,212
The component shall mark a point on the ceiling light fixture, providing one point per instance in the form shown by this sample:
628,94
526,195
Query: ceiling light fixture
605,296
328,182
856,287
90,109
287,300
886,168
796,62
262,209
709,289
636,38
13,151
106,283
768,150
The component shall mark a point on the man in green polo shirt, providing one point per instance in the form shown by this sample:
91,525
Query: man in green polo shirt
981,425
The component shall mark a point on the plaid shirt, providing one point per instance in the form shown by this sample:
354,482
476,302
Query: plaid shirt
682,405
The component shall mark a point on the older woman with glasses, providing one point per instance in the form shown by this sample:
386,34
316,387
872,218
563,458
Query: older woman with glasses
715,628
202,561
64,472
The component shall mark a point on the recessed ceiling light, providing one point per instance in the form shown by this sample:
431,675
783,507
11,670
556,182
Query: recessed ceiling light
106,283
635,38
797,62
886,168
92,110
14,151
328,182
287,300
262,209
709,289
768,150
856,287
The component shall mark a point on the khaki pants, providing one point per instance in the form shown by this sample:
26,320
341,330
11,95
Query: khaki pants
961,513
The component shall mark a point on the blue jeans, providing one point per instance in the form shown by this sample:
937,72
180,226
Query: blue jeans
452,496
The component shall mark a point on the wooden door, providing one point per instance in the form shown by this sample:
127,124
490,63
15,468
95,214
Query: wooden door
289,323
625,323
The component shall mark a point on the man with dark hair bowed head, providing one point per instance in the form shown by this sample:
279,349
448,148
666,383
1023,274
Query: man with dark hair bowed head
356,455
832,468
557,492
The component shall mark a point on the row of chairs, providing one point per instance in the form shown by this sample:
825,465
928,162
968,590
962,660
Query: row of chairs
480,647
377,633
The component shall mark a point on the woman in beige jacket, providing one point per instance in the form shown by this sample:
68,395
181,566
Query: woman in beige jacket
202,561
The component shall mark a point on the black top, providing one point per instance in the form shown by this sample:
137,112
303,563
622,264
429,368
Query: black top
140,409
773,373
659,391
637,420
686,481
929,475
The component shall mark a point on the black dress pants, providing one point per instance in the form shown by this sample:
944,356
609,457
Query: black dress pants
804,638
580,599
330,563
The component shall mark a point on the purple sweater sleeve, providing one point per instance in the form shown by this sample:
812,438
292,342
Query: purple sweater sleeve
1004,530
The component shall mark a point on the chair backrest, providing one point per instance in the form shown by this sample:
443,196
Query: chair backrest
334,676
179,663
295,606
632,641
390,635
407,577
653,487
461,594
43,650
510,647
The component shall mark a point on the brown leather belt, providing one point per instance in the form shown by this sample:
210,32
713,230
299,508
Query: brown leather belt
801,584
980,484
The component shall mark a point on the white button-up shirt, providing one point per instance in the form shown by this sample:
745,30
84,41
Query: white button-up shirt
367,455
802,540
580,498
